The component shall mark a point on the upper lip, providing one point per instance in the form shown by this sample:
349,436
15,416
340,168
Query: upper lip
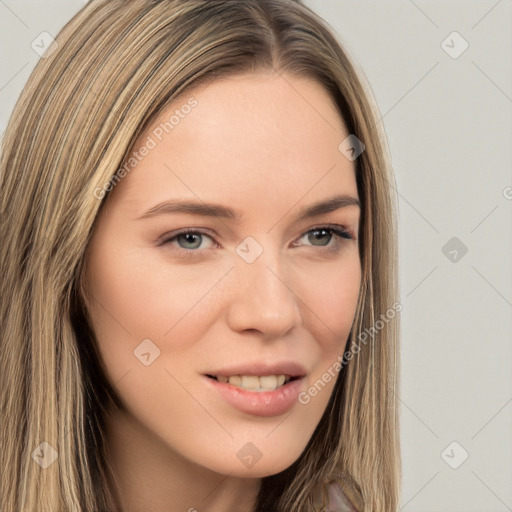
260,369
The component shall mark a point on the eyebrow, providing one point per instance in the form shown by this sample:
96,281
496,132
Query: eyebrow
216,210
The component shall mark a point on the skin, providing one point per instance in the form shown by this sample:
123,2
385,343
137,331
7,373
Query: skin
266,145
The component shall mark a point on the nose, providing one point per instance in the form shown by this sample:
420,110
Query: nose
264,300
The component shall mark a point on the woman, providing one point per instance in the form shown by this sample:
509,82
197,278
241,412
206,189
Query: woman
255,370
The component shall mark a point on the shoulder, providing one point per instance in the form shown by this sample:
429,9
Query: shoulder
342,500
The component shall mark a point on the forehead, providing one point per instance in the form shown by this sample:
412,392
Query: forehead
262,137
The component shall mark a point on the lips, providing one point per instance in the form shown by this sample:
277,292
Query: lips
258,388
258,402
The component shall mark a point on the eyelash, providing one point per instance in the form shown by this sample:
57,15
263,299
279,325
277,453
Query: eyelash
335,230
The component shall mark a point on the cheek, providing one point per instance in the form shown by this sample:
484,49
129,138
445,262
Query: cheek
329,299
137,295
334,305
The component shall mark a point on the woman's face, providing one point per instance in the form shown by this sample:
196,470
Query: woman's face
249,286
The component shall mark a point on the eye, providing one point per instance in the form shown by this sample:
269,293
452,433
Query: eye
316,236
187,240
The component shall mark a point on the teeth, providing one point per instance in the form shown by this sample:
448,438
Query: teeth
252,383
255,383
268,382
236,380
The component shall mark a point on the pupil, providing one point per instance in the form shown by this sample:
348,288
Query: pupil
323,231
189,238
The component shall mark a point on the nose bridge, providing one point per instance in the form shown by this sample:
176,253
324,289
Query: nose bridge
265,300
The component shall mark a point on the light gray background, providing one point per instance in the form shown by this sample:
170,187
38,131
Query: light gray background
449,127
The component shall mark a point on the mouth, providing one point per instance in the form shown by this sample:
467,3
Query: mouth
255,383
258,388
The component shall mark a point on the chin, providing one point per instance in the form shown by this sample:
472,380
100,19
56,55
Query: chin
253,460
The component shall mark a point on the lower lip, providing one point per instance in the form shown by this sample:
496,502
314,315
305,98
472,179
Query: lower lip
259,403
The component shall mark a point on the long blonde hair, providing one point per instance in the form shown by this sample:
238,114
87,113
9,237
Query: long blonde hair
115,66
